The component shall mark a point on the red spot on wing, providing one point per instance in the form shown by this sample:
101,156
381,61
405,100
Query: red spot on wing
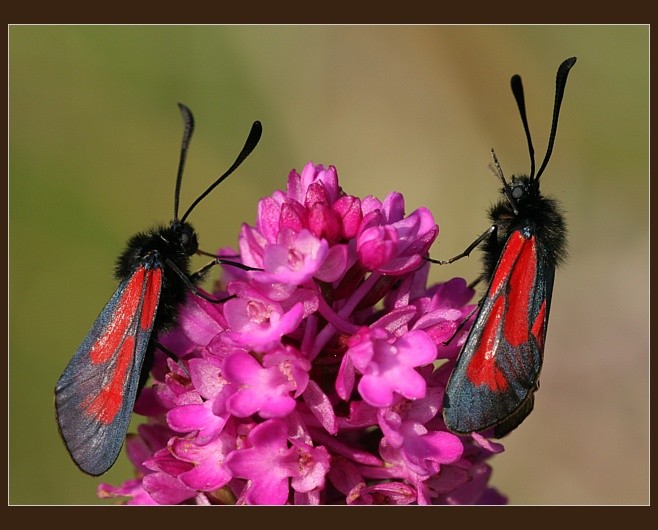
482,369
538,326
105,405
151,297
521,283
108,342
506,261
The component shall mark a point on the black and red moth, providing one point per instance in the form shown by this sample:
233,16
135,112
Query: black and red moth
497,371
95,394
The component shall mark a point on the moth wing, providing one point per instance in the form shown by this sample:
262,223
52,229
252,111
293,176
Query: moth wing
497,371
96,393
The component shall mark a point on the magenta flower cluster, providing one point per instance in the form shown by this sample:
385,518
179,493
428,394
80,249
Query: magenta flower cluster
321,380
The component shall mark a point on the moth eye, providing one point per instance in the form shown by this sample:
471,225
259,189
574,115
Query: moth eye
517,192
188,241
185,239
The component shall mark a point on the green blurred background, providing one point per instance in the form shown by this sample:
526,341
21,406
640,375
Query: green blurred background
94,143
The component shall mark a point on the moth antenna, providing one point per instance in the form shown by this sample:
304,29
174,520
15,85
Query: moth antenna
560,84
498,173
517,90
251,142
188,120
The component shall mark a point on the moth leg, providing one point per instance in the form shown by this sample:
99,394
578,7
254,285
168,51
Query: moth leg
220,261
477,280
197,275
463,323
171,355
490,231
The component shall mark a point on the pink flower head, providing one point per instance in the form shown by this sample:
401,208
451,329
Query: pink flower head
259,323
320,378
267,389
297,257
315,184
268,464
387,364
390,243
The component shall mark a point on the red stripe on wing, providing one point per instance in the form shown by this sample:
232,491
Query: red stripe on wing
510,290
107,344
538,327
482,369
521,284
151,298
506,261
134,314
105,405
